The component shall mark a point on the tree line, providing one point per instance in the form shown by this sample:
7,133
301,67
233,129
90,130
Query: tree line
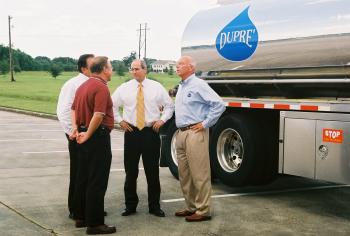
24,62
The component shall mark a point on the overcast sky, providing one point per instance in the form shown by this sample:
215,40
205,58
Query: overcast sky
70,28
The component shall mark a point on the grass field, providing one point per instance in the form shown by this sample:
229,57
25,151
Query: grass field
38,91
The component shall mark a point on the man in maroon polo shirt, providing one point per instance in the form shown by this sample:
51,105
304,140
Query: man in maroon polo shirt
92,119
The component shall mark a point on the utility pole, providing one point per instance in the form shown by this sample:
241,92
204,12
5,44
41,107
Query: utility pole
140,31
10,52
144,56
143,44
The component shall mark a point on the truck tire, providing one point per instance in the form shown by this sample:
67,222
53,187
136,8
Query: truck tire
170,150
235,149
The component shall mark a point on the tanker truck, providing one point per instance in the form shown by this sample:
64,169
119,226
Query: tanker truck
282,69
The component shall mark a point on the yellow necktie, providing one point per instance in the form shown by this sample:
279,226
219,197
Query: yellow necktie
140,108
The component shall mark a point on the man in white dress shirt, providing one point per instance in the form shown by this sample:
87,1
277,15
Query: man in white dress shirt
146,107
65,101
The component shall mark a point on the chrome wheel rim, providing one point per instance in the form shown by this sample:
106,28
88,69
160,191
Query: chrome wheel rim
173,148
229,150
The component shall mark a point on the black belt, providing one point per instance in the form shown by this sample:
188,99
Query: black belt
102,129
186,127
135,128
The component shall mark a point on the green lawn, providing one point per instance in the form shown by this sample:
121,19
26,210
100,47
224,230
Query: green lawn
38,91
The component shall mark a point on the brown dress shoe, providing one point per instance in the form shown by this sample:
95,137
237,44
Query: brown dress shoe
101,229
184,213
80,223
195,218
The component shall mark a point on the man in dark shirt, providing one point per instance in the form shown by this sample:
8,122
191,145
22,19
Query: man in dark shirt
92,120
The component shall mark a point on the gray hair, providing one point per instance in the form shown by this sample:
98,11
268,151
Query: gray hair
142,63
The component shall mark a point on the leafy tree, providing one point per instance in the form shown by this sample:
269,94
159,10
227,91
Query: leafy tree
4,53
55,70
23,60
128,59
42,63
171,70
4,67
66,63
119,67
149,62
166,70
17,68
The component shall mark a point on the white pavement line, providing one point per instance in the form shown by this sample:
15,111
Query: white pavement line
266,192
44,152
30,139
121,170
118,149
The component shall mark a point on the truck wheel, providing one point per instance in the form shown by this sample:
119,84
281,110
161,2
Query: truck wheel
170,149
234,149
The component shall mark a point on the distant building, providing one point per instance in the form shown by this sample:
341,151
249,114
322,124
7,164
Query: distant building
162,66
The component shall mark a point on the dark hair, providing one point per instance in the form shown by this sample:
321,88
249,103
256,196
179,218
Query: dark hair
98,64
82,61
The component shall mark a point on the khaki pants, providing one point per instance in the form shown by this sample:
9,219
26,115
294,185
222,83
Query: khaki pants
194,169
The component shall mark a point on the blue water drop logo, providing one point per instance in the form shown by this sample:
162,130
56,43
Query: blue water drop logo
238,40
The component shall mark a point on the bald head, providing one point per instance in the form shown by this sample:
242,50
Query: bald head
185,67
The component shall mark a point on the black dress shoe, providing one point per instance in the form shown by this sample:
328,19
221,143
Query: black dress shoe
101,229
157,212
128,212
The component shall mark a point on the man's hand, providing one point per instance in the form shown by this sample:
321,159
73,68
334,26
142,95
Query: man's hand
197,127
157,125
82,137
125,126
74,134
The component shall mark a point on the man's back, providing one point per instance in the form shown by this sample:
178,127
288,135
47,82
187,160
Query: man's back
93,96
65,100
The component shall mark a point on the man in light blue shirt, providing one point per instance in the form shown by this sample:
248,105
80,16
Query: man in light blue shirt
197,107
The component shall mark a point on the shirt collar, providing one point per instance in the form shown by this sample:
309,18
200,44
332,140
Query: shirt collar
186,81
98,78
144,82
83,76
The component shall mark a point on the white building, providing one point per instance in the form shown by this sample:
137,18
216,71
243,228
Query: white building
162,66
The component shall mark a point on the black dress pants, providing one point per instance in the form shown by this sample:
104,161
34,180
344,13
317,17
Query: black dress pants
73,159
143,142
95,156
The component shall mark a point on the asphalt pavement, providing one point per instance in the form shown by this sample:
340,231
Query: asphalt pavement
34,174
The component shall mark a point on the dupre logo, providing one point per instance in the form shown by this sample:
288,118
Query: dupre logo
238,40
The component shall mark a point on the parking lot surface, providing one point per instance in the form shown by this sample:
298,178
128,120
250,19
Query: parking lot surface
34,174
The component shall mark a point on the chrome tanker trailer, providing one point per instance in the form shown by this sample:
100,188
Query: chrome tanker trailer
283,68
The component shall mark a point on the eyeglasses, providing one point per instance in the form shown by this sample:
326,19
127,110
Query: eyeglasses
135,69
